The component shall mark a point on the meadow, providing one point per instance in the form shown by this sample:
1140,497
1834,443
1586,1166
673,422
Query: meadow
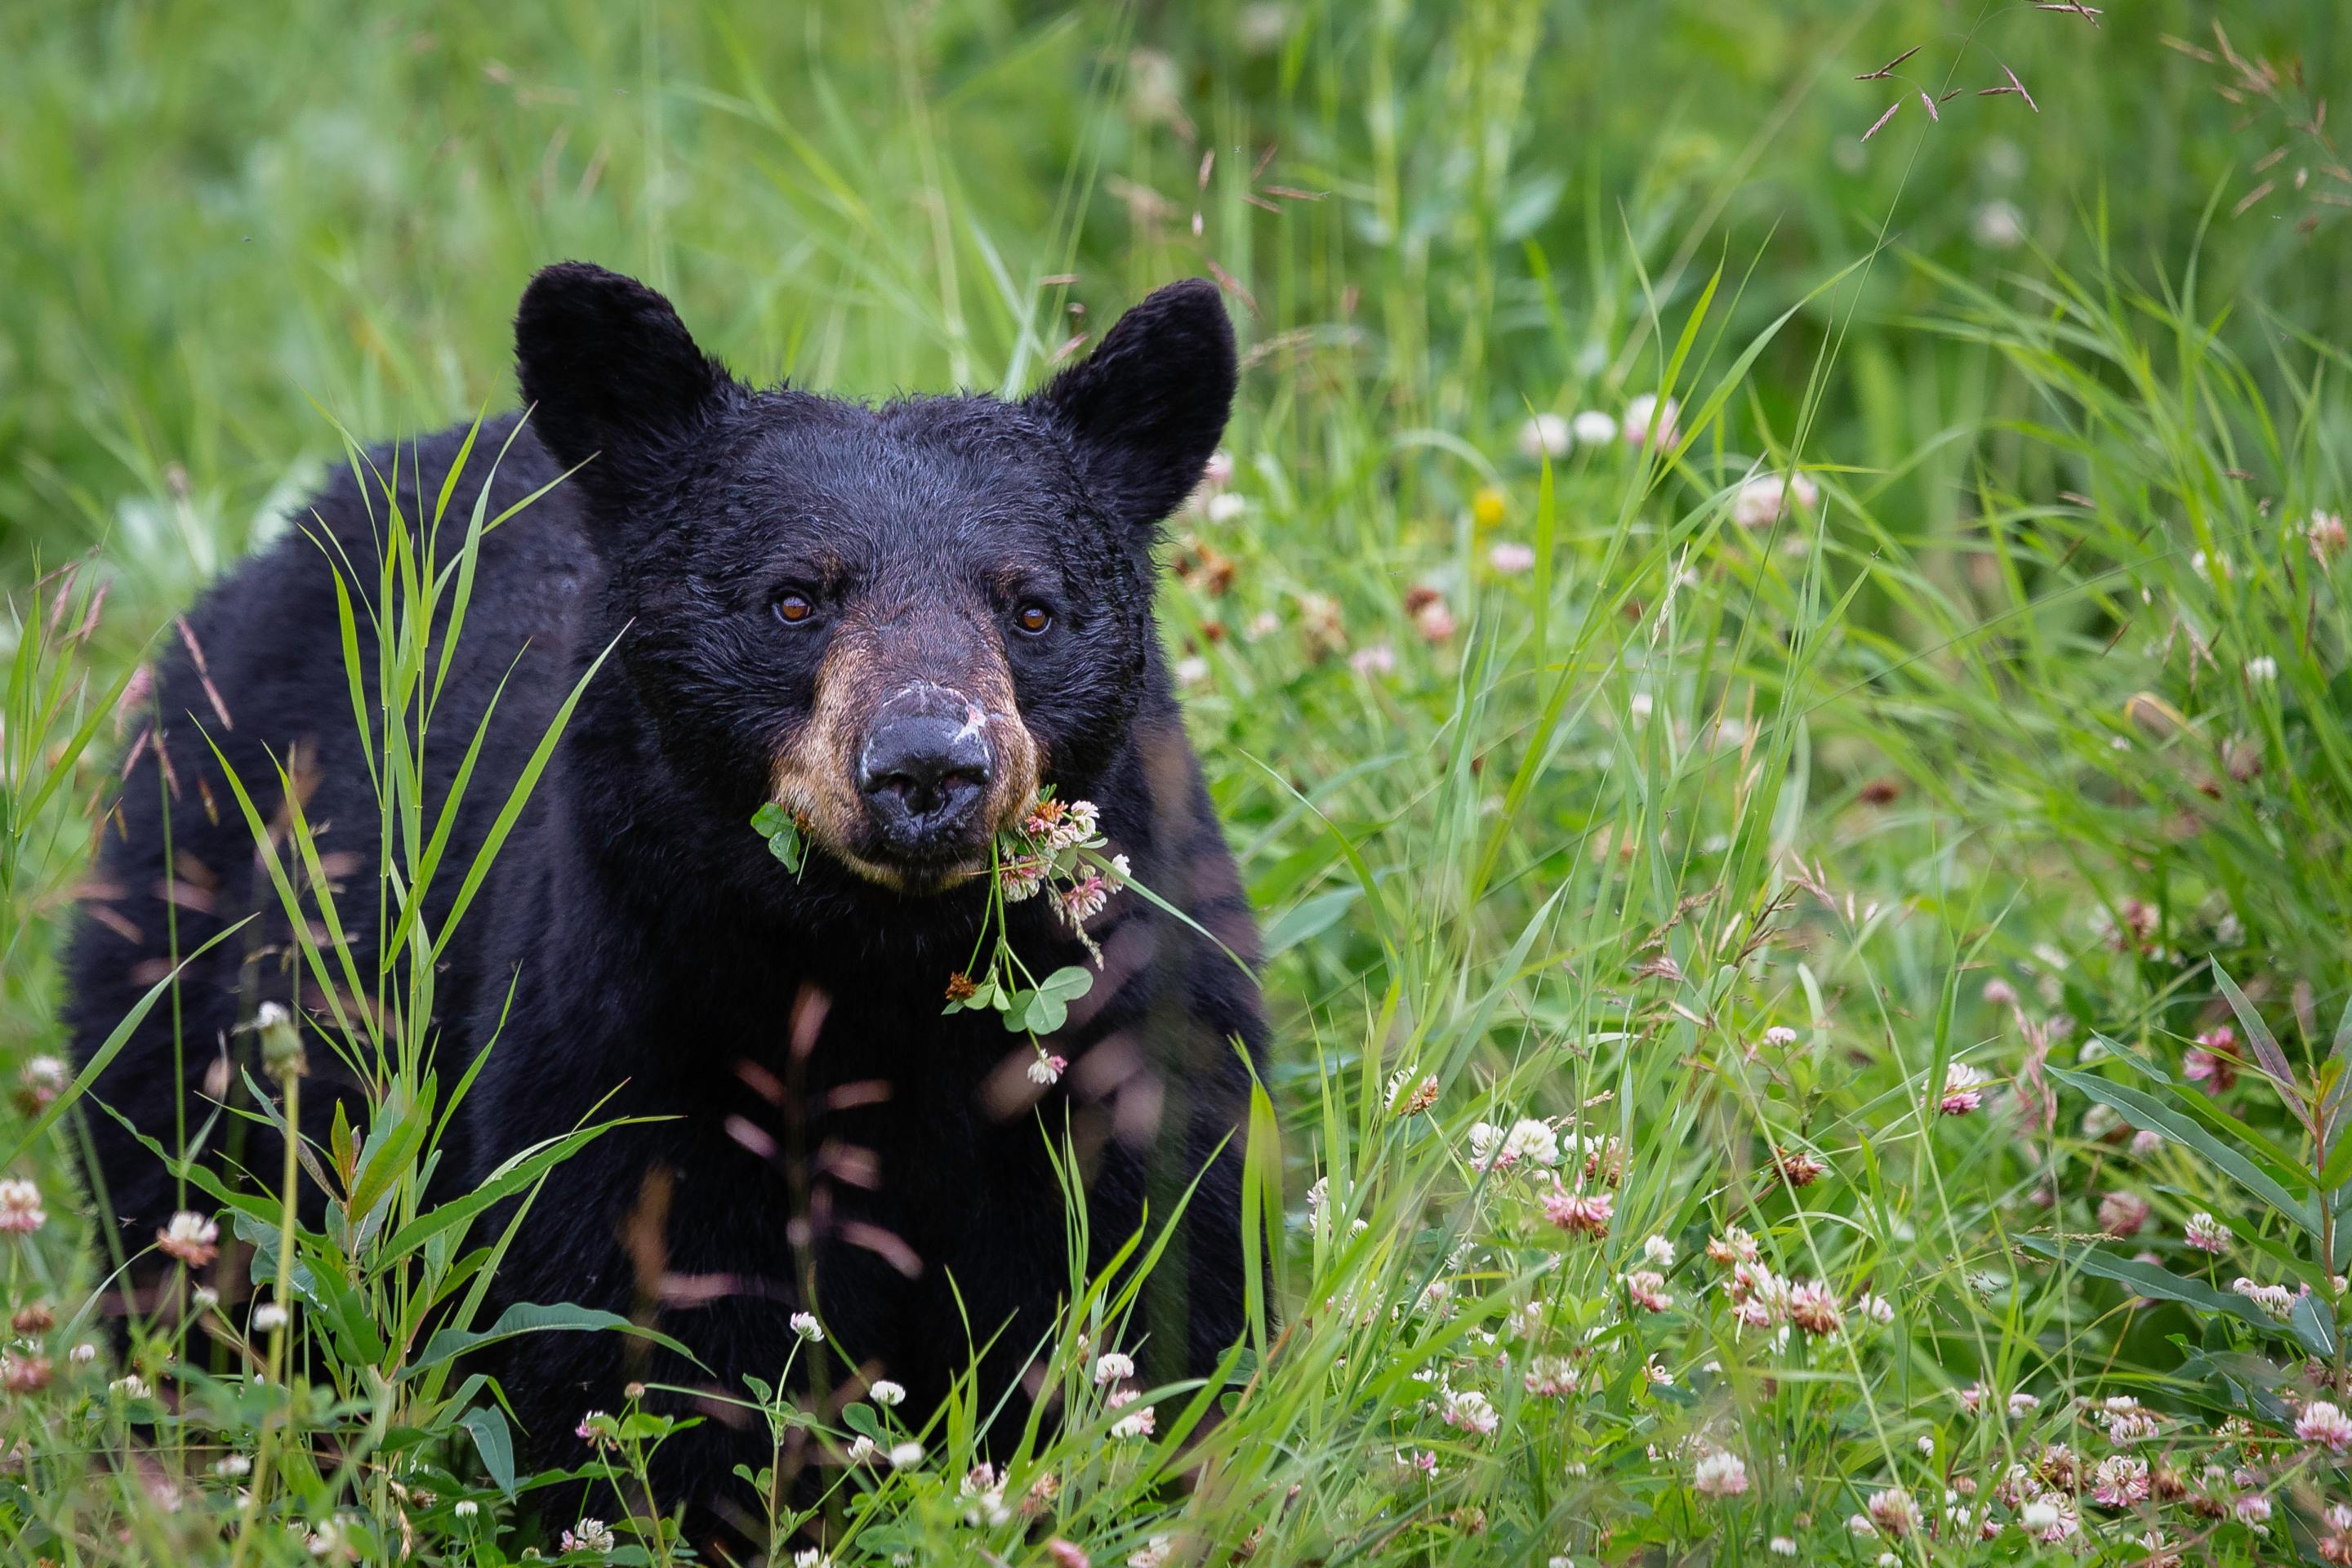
1778,670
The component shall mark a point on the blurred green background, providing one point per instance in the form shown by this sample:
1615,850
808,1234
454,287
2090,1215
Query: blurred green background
215,215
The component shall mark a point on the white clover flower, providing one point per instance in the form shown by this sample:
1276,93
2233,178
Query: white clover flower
20,1207
1659,1250
2261,669
806,1325
1137,1423
1642,411
268,1316
1113,1366
1470,1410
1544,436
1592,427
1225,507
861,1449
906,1455
1720,1474
885,1393
588,1535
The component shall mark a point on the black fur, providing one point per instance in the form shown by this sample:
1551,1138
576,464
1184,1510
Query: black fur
654,947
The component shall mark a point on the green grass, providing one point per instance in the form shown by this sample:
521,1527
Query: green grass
2027,746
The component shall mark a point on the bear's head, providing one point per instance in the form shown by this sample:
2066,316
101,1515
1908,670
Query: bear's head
901,622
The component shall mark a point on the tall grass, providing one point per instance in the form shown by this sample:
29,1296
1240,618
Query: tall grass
1708,835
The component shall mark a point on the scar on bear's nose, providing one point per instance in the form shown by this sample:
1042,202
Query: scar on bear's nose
923,774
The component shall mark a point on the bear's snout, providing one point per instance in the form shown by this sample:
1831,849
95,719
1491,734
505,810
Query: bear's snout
925,768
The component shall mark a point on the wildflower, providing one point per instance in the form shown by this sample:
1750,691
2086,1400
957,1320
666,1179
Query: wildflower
1720,1474
2038,1516
1113,1366
2123,1214
1532,1141
1431,618
1799,1167
885,1393
190,1237
1153,1553
906,1455
1423,1095
231,1466
2261,669
2000,993
1592,427
1659,1250
1998,225
282,1056
1813,1308
1642,412
269,1317
1549,1377
811,1557
1378,659
1963,1089
593,1428
2120,1480
1218,471
861,1449
1136,1422
2326,1425
1780,1036
82,1354
2127,1420
2205,1233
2145,1143
1511,558
1020,876
2213,1061
1760,500
2325,533
1045,1068
20,1207
806,1325
130,1385
1066,1554
960,987
1225,507
1877,1308
1578,1213
1487,507
466,1507
1647,1287
2251,1507
1470,1410
2275,1300
1733,1245
1783,1546
1893,1512
1082,899
39,1082
1544,436
24,1373
589,1535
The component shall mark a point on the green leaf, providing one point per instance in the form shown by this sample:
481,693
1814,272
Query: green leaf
859,1417
531,1318
2150,1280
2146,1112
783,832
1069,983
488,1425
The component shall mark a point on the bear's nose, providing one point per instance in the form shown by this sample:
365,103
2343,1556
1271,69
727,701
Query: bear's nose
923,775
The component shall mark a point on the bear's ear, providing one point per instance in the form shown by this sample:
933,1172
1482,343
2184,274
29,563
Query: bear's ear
610,373
1147,406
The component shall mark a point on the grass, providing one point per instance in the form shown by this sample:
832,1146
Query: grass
1723,842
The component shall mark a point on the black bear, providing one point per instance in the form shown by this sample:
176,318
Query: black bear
900,623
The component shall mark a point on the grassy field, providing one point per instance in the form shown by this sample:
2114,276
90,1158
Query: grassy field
1784,700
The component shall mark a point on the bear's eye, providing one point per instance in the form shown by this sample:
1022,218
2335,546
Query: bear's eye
1032,618
792,609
